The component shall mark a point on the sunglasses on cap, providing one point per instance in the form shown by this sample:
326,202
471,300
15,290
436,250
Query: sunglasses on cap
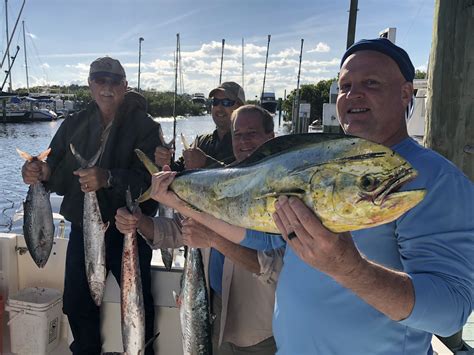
102,80
224,102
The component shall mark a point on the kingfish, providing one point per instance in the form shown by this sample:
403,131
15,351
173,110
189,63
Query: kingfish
38,226
131,294
94,236
349,183
194,307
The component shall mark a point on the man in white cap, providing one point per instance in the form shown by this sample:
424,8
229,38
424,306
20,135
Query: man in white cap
115,123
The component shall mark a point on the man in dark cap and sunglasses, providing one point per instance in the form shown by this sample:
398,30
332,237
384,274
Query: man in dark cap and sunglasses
380,290
210,149
112,126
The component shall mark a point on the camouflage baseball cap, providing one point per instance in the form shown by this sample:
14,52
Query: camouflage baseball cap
232,90
106,66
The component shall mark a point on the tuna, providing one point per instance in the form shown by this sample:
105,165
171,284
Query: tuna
94,236
131,294
350,183
38,226
194,307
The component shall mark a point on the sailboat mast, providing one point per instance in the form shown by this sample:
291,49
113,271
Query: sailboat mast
175,92
243,64
265,71
222,61
8,47
26,61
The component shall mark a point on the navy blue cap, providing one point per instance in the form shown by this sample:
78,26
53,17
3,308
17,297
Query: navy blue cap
386,47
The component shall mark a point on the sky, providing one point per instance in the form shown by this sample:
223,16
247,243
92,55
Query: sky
64,37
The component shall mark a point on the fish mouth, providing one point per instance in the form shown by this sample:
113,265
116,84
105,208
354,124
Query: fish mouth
392,184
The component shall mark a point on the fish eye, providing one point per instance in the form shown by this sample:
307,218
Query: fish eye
368,182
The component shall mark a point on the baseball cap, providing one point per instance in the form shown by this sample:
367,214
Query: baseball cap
106,66
388,48
232,90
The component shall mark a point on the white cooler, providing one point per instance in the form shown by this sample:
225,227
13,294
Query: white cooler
34,320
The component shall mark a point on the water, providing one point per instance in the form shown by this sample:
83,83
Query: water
35,138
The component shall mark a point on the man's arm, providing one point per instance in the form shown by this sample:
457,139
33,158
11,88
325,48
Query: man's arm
160,193
199,236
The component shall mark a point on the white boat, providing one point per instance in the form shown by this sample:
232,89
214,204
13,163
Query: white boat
19,272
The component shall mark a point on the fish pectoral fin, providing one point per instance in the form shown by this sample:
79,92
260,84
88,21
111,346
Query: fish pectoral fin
295,192
234,187
106,226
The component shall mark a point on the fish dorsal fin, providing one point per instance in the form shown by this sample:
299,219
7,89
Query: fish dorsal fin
285,143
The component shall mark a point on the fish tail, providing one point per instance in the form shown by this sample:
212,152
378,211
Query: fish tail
24,155
149,165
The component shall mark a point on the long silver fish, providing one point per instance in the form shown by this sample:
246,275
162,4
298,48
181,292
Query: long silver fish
131,294
350,183
38,226
194,307
94,236
167,254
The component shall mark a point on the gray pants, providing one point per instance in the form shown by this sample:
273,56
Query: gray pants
265,347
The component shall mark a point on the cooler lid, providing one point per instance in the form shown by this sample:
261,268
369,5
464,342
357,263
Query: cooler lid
35,297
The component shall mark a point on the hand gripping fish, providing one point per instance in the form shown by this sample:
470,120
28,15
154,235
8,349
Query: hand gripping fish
38,226
94,236
131,294
349,183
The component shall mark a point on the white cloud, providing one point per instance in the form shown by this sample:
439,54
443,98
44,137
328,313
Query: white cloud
321,47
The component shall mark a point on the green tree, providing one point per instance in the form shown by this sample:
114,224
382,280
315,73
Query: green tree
314,94
420,74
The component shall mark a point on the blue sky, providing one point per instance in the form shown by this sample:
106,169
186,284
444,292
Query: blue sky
63,37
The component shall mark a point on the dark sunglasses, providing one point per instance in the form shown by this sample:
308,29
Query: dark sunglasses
102,80
224,102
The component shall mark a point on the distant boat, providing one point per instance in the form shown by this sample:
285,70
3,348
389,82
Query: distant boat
14,111
268,102
199,98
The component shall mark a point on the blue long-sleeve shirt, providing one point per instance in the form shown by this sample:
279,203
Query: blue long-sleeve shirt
433,243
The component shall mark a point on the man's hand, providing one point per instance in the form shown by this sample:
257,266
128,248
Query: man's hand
35,171
159,188
163,156
333,254
92,179
194,158
196,235
127,222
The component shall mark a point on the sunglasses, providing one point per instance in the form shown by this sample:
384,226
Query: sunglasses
105,80
224,102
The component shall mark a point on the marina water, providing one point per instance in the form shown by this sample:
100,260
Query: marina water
35,138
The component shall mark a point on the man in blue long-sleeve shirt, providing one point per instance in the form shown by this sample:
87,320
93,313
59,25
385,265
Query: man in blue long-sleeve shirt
382,290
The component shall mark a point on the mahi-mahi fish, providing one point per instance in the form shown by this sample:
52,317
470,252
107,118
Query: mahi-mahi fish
94,236
350,183
38,226
194,307
131,294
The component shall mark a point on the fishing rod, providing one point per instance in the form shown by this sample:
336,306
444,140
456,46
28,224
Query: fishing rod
222,60
265,71
296,102
175,93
